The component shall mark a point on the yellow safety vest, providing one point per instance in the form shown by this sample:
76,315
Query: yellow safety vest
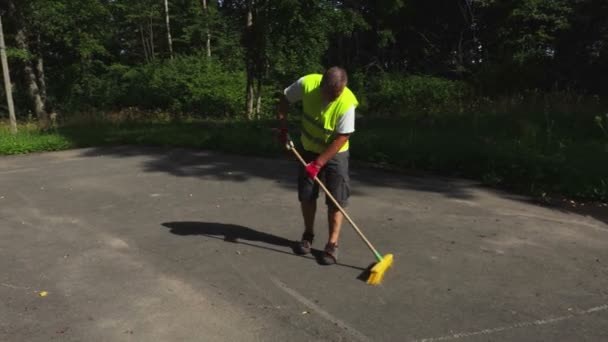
319,121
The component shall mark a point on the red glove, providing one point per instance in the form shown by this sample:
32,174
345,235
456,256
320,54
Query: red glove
313,168
283,136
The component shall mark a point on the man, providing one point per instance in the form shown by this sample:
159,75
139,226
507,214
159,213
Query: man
327,123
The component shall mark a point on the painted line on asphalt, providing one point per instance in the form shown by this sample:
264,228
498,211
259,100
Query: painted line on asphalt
25,169
539,322
314,307
14,286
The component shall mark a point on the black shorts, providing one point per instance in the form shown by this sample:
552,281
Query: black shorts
334,176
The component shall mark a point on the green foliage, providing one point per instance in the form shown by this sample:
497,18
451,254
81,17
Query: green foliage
296,36
30,140
187,84
398,95
18,54
230,136
75,27
492,148
534,25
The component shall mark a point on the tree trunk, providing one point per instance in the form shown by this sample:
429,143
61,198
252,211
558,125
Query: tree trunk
168,29
250,94
208,42
40,73
460,50
258,95
151,43
7,82
143,43
30,77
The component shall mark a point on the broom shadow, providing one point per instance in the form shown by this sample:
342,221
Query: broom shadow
366,272
244,235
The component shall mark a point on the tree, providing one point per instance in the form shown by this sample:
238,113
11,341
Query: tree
76,53
32,79
7,81
581,52
208,32
252,59
137,21
281,39
170,43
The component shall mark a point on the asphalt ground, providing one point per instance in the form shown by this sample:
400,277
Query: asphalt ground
147,244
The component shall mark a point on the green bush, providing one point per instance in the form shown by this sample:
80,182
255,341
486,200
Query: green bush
399,95
188,84
493,149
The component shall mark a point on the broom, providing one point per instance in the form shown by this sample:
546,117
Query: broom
378,270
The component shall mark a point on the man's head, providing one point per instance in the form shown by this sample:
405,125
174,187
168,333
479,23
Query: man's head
333,83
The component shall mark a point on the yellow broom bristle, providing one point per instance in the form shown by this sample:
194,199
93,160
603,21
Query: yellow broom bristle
377,272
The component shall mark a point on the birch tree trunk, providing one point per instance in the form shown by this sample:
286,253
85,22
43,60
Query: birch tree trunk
250,94
151,42
168,29
30,77
143,43
258,95
208,42
40,73
7,82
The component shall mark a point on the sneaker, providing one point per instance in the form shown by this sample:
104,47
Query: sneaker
330,255
304,246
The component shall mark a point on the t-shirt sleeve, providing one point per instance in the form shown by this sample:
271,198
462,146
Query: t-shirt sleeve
346,124
295,91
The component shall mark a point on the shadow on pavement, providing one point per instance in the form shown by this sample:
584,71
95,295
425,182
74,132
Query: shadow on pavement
239,234
182,162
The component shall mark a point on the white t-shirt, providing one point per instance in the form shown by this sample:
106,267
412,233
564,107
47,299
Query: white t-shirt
346,124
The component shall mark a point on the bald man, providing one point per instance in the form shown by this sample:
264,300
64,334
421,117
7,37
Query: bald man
327,123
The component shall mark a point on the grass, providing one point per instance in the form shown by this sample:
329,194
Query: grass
29,139
499,152
236,137
533,156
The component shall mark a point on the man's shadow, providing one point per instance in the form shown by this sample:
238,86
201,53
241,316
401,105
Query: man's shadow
243,235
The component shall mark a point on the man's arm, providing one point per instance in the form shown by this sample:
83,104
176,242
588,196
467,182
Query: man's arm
291,94
344,128
333,149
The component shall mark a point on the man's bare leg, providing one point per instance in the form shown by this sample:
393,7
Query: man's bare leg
309,208
335,219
